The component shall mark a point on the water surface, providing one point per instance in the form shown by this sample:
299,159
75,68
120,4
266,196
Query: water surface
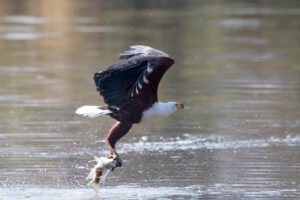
237,73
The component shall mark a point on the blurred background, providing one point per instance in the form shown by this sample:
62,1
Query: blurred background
236,71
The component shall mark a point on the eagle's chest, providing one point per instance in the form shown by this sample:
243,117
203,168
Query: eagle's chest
156,111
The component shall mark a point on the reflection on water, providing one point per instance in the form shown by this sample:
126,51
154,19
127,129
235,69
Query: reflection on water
237,72
117,192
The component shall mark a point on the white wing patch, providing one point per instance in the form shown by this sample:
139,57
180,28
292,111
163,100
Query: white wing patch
143,80
149,68
136,50
140,49
153,56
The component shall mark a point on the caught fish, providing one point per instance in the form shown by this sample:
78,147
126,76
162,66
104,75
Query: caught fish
103,164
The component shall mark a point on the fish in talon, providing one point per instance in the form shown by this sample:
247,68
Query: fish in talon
103,164
97,175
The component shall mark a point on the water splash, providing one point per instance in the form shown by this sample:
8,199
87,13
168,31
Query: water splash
103,178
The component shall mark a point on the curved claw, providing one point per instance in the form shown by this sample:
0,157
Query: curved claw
113,155
117,162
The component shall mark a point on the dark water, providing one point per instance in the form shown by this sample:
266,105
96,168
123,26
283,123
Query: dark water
237,72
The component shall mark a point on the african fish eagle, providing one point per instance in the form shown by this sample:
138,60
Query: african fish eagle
130,91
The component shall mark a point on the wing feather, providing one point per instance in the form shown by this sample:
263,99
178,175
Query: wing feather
114,83
135,79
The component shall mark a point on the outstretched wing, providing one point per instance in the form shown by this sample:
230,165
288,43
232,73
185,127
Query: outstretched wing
115,82
135,79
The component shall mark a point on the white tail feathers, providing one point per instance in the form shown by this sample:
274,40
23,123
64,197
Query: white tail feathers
92,111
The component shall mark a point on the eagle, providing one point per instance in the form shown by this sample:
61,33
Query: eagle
129,89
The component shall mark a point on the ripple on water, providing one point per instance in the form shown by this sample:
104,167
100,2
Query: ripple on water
19,69
94,29
119,192
240,23
262,11
31,35
214,191
195,142
26,19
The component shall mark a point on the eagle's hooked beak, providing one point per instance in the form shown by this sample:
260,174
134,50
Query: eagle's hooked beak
179,106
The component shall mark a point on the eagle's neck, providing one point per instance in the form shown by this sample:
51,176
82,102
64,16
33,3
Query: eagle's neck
159,110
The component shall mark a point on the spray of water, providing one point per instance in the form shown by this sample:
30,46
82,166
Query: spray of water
103,178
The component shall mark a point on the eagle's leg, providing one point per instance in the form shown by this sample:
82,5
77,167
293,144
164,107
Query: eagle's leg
112,153
118,130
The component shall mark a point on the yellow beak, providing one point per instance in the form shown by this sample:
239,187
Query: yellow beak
179,106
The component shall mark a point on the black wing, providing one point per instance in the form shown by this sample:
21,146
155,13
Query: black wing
135,79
